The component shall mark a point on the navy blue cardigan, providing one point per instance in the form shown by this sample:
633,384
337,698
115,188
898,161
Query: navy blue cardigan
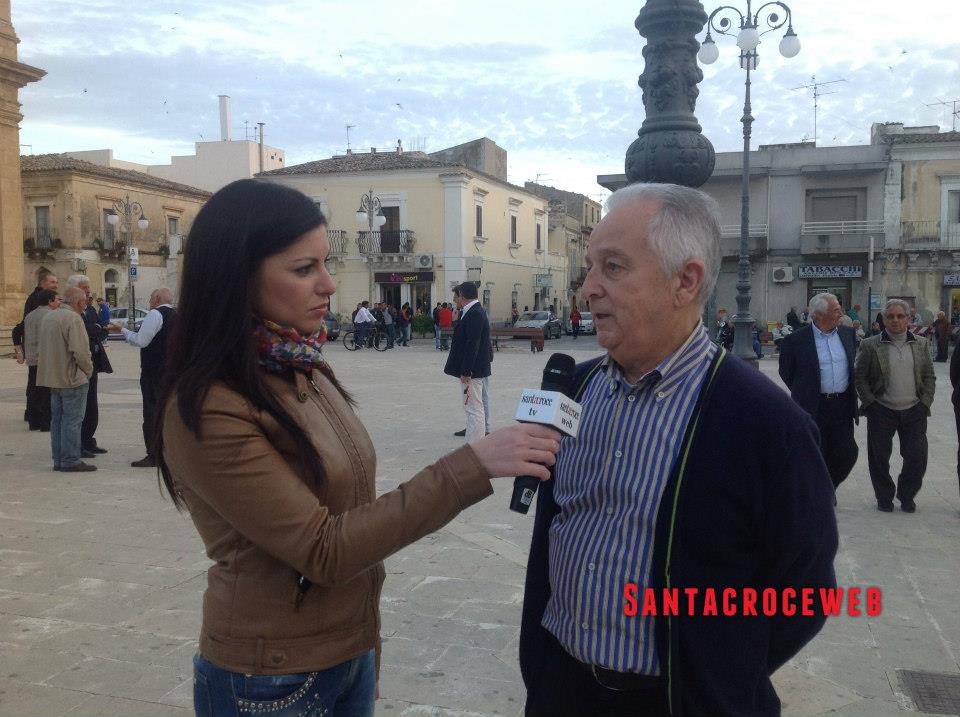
753,508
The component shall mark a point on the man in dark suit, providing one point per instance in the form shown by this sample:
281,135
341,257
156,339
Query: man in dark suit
816,363
469,358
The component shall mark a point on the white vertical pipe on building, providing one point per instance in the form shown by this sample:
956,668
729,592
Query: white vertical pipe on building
224,118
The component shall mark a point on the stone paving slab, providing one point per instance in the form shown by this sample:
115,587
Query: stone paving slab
101,579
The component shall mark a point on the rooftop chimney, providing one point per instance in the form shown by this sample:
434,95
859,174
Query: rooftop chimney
224,118
373,150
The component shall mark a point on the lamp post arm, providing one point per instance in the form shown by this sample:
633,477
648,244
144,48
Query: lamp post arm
773,20
725,25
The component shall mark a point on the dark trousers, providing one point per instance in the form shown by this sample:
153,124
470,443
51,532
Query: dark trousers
91,419
150,388
911,428
837,444
942,345
38,402
391,335
567,687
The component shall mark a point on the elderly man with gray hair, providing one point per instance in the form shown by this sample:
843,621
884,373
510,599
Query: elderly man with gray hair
101,364
896,382
65,367
691,471
151,339
816,364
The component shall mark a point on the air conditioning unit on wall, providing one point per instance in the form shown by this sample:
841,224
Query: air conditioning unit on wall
423,261
782,274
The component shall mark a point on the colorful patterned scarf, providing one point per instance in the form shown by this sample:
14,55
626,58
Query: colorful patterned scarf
281,347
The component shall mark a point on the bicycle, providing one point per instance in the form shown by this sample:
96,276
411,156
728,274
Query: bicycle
376,338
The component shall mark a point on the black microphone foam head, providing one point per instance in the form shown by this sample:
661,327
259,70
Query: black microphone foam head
558,374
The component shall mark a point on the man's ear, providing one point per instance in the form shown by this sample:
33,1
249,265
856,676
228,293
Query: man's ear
687,283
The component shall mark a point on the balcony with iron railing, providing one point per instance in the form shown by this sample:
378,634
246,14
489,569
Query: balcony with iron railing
109,242
841,237
730,239
929,234
40,243
338,241
400,241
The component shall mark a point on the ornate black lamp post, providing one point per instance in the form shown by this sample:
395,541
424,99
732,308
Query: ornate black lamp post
670,146
748,38
127,210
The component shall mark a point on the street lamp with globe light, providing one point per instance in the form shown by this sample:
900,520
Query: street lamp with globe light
748,39
128,209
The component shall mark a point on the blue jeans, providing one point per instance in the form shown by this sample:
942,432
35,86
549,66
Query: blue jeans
406,333
436,335
345,690
67,406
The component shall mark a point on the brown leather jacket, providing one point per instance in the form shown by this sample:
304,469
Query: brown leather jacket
263,522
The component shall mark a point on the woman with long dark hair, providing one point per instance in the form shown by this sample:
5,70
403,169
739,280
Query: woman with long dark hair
260,443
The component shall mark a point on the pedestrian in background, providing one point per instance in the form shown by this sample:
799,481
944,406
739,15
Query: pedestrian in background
46,279
445,316
896,383
38,399
65,367
941,335
96,335
575,322
406,317
152,339
104,313
264,447
816,364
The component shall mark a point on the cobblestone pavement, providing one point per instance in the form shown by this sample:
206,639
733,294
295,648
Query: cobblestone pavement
100,578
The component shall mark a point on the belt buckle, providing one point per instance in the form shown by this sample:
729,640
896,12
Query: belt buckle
596,676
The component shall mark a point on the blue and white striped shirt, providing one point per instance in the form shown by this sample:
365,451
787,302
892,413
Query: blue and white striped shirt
609,481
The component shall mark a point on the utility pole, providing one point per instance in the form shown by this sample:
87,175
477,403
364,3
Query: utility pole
817,94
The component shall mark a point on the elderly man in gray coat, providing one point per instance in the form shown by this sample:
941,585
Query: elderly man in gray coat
895,381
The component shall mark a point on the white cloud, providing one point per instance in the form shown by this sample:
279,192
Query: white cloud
546,80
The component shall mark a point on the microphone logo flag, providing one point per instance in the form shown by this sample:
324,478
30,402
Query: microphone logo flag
550,408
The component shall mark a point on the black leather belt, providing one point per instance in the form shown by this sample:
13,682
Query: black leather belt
832,395
624,681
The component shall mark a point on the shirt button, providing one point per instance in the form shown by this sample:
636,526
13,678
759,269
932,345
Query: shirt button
590,566
609,511
585,625
631,398
661,394
619,454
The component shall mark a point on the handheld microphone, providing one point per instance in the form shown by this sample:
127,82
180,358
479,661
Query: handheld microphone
550,406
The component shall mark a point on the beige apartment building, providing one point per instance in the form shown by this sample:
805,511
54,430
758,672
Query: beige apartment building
572,218
815,213
66,203
436,220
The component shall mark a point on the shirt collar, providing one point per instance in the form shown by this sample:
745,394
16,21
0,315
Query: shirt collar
466,307
671,370
824,334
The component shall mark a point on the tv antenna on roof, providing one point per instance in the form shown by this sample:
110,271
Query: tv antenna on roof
815,85
349,127
954,111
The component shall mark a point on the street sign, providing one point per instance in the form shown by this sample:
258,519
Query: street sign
134,255
133,273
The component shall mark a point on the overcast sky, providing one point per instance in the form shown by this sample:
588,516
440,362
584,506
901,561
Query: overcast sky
554,83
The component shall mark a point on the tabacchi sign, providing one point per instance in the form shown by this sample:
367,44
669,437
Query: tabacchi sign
830,272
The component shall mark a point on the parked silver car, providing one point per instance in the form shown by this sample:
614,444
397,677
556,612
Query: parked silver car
551,325
118,316
586,324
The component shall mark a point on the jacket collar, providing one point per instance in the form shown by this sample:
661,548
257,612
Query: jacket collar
885,337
